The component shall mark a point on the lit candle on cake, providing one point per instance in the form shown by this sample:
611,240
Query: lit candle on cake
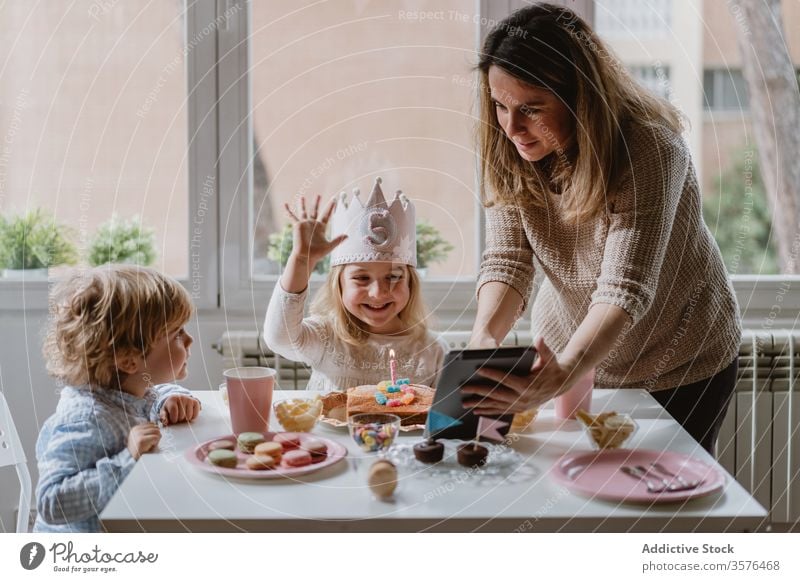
393,367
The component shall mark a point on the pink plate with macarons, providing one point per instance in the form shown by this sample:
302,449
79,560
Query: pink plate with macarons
334,452
600,475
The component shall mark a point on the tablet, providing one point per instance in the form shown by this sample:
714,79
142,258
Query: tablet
447,417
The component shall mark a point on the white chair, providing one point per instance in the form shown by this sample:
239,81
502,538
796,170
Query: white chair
11,453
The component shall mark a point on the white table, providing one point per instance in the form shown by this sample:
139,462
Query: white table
164,492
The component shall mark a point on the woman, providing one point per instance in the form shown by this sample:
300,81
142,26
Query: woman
587,181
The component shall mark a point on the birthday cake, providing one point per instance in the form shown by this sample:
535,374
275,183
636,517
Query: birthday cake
410,402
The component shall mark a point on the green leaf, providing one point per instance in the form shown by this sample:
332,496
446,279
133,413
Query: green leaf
35,241
431,247
738,216
123,241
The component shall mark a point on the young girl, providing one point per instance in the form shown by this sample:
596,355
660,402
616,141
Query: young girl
115,334
371,302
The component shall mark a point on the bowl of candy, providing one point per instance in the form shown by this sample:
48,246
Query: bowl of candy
298,414
374,432
607,430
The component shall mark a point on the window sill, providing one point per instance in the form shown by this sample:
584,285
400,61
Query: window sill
766,301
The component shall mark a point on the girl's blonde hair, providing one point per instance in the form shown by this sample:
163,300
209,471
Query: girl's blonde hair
328,304
100,315
551,47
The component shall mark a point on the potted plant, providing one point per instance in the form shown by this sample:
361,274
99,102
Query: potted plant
280,247
431,247
122,241
31,243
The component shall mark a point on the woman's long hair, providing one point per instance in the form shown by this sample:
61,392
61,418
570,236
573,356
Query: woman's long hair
551,47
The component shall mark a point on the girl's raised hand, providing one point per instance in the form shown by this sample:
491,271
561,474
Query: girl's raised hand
310,245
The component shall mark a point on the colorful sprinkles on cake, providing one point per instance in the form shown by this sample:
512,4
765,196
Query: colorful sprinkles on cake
393,394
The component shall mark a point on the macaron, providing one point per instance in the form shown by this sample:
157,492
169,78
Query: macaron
223,458
287,440
316,448
222,444
271,448
296,458
261,462
249,440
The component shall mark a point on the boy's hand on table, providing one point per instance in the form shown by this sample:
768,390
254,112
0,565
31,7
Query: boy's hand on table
143,438
179,408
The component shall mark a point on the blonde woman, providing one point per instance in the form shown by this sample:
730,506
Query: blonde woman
588,182
370,303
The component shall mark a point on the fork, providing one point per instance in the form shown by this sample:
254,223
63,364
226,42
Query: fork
637,473
676,476
668,484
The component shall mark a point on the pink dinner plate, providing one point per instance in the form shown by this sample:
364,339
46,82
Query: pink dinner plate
598,475
197,456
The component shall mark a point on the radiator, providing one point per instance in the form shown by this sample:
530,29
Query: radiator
247,348
758,444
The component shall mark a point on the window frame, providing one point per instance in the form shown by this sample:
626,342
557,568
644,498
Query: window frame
720,77
220,150
200,103
238,286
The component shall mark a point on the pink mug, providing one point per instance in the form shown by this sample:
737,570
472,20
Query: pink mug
578,397
250,398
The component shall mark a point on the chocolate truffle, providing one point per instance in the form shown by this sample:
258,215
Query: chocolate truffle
429,451
472,455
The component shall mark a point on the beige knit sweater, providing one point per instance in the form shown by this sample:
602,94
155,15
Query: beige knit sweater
651,254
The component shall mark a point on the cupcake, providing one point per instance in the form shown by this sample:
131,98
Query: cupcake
429,451
472,455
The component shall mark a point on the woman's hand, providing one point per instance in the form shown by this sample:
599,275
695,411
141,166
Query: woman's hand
310,245
548,378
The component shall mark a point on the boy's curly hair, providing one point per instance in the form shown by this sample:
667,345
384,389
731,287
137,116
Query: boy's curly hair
100,315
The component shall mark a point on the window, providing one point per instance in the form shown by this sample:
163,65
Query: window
93,117
204,117
655,78
724,90
633,17
344,92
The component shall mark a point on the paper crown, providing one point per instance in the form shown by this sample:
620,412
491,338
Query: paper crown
377,232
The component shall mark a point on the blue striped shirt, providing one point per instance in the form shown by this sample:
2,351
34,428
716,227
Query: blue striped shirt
83,454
